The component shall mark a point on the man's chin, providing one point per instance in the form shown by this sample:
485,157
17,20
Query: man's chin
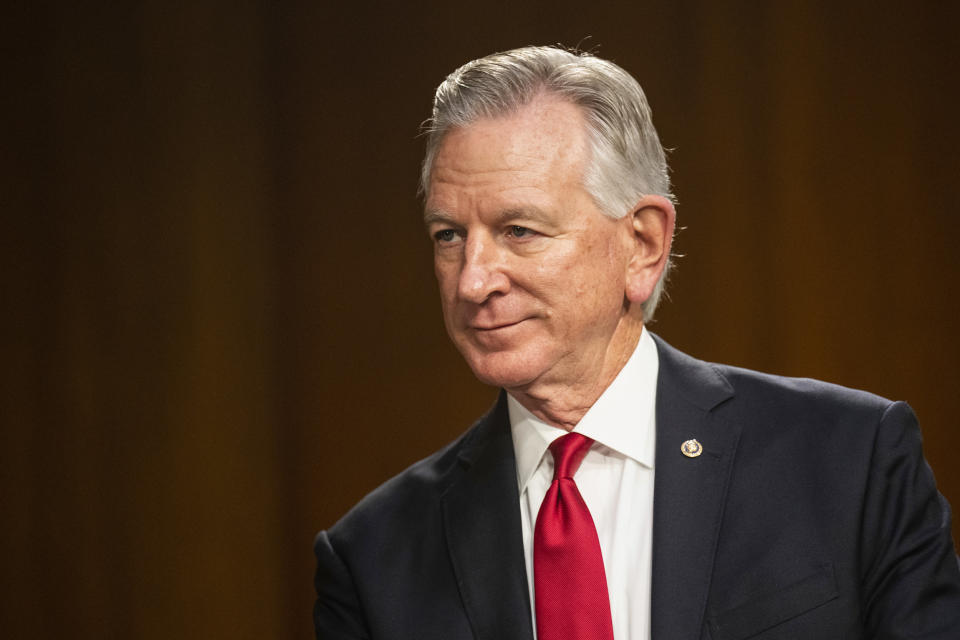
503,370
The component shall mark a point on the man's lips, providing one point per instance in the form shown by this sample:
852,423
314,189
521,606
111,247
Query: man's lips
494,326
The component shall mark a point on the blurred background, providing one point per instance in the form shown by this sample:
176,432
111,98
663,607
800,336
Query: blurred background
219,317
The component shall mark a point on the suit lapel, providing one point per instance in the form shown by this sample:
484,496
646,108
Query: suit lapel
689,493
482,522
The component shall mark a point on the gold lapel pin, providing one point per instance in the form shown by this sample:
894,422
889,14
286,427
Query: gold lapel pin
691,448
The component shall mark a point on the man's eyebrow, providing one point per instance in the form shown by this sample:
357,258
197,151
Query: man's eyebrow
431,216
531,213
528,213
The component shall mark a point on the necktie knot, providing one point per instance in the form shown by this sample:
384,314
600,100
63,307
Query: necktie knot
568,452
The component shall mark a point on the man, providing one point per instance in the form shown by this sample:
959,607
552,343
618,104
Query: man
692,500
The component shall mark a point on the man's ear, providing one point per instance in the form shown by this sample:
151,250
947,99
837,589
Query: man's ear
652,221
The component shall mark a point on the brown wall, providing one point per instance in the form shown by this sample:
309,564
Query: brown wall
219,317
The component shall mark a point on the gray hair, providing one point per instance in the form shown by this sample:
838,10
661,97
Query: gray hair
627,160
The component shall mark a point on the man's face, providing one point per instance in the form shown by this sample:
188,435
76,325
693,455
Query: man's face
531,273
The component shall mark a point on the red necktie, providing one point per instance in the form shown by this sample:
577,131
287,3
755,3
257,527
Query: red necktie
570,584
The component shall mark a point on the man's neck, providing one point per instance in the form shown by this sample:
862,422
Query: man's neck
563,404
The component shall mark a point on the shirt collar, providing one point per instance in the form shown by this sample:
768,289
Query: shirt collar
622,419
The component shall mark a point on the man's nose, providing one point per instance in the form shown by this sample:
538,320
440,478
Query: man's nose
483,270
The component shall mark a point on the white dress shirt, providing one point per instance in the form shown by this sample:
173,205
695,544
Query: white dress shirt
615,480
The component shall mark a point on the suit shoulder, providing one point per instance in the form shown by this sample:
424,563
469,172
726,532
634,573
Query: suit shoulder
420,483
708,384
804,391
412,495
822,412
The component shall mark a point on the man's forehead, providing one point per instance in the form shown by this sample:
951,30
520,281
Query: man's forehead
500,195
543,146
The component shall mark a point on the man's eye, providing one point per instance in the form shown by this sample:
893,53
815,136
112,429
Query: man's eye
521,232
445,235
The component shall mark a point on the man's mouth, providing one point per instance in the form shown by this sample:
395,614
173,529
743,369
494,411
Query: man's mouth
495,326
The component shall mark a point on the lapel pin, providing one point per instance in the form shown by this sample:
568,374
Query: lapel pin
691,448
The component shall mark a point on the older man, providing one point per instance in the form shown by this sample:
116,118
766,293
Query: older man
619,488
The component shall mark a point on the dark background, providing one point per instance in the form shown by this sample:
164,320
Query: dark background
220,324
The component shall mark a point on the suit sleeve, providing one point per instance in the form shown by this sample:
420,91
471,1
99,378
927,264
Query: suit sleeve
910,576
337,614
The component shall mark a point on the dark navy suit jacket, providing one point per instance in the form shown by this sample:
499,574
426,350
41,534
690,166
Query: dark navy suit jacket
811,514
